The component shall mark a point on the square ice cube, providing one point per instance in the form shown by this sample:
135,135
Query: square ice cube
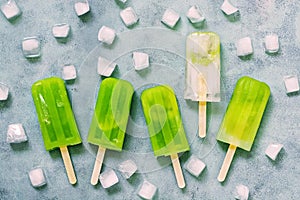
105,67
271,43
127,168
241,192
147,190
244,47
140,60
108,178
16,134
229,9
273,150
31,47
129,16
291,83
3,92
69,72
82,8
170,18
106,35
61,30
194,15
194,165
37,177
10,9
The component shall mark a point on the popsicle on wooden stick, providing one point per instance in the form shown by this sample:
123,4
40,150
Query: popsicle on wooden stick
242,118
110,119
202,72
165,127
56,119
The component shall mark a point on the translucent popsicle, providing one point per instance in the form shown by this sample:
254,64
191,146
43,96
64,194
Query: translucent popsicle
57,122
202,72
242,118
110,119
165,127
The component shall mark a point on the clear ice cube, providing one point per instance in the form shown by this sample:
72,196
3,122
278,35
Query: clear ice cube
31,47
16,134
105,67
229,9
3,92
273,150
129,16
271,43
194,166
10,9
140,60
69,72
37,177
127,168
244,47
170,18
147,190
106,35
241,192
291,83
61,30
82,8
108,178
194,15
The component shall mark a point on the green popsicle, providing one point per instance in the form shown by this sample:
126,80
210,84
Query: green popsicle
165,126
57,122
110,119
242,118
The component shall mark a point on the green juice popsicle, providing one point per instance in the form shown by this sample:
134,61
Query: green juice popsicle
110,119
242,118
56,119
165,127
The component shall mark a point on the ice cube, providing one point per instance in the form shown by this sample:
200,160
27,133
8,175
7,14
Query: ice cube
105,67
37,177
127,168
229,9
3,92
170,18
273,150
241,192
16,134
194,15
244,47
10,10
108,178
194,165
271,43
61,30
147,190
291,83
31,47
106,35
140,60
82,8
69,72
129,16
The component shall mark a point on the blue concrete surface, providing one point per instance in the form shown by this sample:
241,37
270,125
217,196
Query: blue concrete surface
266,179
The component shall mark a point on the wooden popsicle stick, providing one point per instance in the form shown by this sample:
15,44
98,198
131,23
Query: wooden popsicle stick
202,106
177,170
226,163
98,165
68,164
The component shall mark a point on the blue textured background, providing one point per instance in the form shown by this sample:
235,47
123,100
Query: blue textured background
266,179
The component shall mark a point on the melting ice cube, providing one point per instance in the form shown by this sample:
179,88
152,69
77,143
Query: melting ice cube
37,177
106,35
127,168
170,18
271,43
82,8
273,150
105,67
244,47
10,10
31,47
194,165
194,15
291,83
16,134
108,178
140,60
61,30
147,190
129,16
241,192
69,72
3,92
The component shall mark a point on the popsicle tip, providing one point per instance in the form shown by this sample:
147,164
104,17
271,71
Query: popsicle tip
221,178
181,185
94,182
73,182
